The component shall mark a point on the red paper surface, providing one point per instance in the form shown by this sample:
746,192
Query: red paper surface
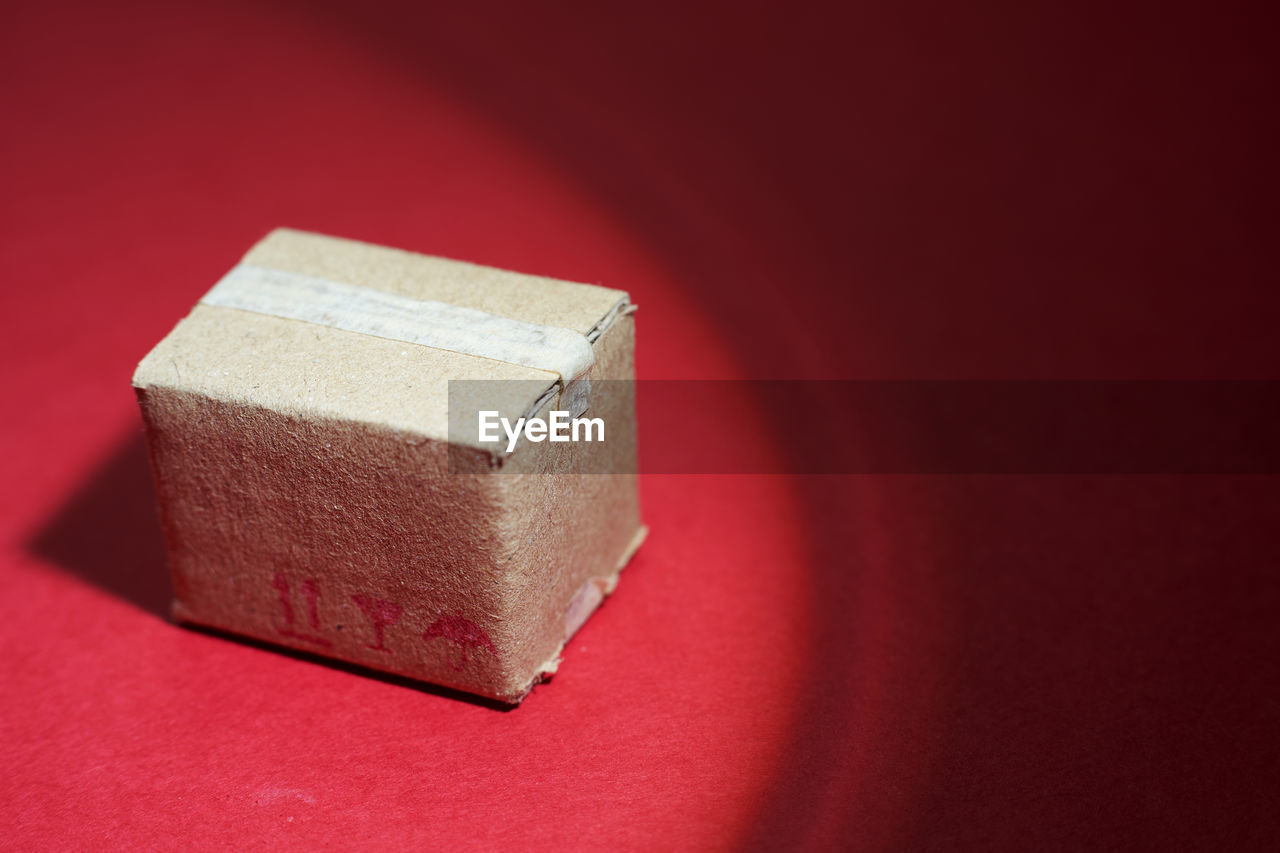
818,662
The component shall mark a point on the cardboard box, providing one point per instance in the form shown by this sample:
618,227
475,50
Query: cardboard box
310,494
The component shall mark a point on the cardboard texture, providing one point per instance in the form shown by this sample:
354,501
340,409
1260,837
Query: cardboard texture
304,480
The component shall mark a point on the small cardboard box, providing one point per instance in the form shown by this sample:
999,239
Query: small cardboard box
312,494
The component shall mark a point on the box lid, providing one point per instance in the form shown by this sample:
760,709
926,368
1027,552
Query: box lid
392,363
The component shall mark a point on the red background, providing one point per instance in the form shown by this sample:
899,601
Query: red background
940,191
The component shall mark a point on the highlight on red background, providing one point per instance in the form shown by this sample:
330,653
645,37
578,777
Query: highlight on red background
800,657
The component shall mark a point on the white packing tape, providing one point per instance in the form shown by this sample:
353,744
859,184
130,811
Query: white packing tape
294,296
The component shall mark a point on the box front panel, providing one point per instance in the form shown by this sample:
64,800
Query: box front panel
340,539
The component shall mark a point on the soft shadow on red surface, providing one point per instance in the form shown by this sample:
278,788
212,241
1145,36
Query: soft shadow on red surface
928,192
107,532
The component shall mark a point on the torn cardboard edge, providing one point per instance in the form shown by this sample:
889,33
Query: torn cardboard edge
586,601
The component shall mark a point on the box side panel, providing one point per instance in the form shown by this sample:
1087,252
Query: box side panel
566,535
337,538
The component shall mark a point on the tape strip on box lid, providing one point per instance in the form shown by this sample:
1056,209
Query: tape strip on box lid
352,308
